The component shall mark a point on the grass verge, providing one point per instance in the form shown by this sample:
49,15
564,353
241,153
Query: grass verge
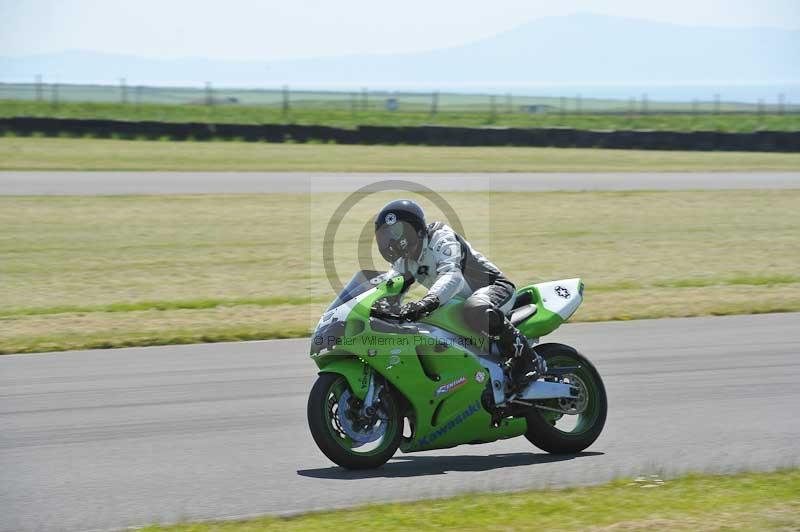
749,501
18,153
87,272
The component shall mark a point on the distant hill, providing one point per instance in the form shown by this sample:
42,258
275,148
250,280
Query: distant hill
576,49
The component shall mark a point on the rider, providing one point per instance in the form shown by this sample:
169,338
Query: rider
442,261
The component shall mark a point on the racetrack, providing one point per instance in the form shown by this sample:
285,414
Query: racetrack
102,183
106,439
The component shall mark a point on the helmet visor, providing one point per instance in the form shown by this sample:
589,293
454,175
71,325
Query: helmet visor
398,240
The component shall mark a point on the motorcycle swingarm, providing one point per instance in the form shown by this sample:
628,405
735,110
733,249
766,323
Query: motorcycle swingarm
547,390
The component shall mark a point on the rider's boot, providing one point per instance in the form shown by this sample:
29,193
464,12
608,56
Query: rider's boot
526,366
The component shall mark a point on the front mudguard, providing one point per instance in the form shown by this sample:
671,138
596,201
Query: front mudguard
353,370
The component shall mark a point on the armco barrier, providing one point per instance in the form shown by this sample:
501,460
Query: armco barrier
778,141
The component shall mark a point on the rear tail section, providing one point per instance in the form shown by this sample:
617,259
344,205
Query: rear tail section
542,308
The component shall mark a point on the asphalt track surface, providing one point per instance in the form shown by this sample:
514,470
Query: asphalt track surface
110,183
106,439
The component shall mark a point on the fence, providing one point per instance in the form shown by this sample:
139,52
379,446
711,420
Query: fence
431,103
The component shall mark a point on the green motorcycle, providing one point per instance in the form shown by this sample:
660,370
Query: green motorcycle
386,384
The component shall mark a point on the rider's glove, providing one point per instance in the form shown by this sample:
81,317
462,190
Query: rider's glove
419,309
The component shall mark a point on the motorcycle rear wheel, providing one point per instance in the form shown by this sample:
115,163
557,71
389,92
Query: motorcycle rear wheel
543,430
329,432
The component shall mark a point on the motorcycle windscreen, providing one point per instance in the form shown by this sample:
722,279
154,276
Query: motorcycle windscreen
361,282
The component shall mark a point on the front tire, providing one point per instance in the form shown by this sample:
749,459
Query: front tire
328,426
581,429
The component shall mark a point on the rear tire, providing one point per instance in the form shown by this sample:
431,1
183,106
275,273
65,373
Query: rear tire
542,430
336,445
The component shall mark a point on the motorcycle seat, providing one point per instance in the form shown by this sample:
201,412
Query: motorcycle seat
524,298
518,315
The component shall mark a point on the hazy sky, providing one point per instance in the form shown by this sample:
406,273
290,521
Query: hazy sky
253,29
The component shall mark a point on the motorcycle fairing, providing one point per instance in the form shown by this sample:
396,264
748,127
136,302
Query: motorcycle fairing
442,381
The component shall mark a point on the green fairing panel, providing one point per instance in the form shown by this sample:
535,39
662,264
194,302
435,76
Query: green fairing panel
349,366
466,423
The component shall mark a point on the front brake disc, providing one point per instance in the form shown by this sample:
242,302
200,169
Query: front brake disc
368,435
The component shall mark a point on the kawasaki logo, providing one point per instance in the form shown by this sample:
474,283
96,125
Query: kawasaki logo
450,425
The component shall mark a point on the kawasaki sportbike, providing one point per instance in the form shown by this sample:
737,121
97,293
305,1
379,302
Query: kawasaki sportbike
385,384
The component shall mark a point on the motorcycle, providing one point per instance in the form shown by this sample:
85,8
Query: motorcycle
385,384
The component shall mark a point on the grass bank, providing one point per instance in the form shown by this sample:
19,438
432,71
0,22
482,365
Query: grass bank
81,272
17,153
751,501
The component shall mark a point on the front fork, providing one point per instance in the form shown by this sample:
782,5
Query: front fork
373,393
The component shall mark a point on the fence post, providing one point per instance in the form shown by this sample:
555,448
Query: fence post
781,104
760,111
434,103
285,102
54,95
39,94
138,95
509,104
578,104
209,94
364,99
353,103
123,91
562,106
716,104
492,109
644,103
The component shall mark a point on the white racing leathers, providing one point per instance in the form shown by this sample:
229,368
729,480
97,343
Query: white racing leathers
448,267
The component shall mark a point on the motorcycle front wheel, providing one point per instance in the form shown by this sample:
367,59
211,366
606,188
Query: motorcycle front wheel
344,433
565,426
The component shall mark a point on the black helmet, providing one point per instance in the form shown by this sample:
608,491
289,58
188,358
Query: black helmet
400,229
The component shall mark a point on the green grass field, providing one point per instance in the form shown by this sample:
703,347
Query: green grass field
259,114
749,501
112,271
92,154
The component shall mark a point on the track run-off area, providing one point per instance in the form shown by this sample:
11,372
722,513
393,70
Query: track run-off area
103,439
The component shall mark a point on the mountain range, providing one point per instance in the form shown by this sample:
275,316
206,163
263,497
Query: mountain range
576,49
